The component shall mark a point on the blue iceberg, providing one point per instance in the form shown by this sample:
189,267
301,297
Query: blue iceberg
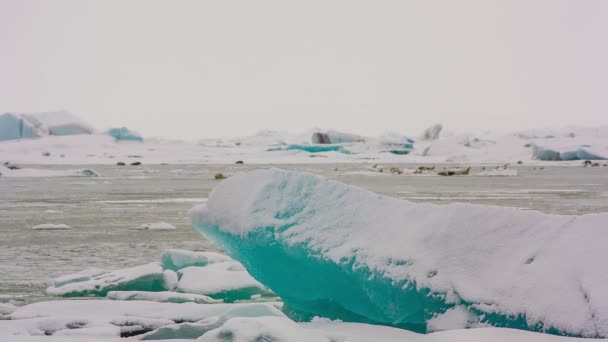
337,251
318,148
34,125
542,153
123,133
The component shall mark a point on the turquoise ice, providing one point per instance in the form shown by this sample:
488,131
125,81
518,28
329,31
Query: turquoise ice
123,133
337,251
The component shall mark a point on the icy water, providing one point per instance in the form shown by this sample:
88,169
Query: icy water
102,211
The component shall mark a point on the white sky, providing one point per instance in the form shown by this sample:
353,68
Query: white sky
196,69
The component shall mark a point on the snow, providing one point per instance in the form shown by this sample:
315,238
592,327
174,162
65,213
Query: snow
176,259
163,296
155,226
51,226
148,277
30,172
356,255
226,280
278,147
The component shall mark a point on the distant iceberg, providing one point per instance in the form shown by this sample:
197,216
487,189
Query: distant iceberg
33,125
581,153
432,133
123,133
335,137
346,253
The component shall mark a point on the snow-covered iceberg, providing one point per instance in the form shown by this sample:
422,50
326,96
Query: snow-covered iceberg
347,253
335,137
123,133
33,125
432,133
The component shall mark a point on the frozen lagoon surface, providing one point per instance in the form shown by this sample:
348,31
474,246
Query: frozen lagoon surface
102,211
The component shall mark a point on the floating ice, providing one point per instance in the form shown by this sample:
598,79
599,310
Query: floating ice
432,133
33,125
6,309
176,259
542,153
227,280
27,172
335,137
347,253
164,296
97,282
318,148
51,226
155,226
500,172
123,133
262,329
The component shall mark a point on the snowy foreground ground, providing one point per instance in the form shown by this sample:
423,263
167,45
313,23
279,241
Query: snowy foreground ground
275,147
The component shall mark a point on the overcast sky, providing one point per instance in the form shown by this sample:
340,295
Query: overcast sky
215,68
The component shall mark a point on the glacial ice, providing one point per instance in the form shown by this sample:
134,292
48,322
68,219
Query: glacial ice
33,125
335,137
542,153
318,148
51,226
226,280
262,329
176,259
123,133
162,297
350,254
97,282
155,226
432,133
29,172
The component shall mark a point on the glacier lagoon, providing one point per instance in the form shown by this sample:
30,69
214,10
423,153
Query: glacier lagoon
102,210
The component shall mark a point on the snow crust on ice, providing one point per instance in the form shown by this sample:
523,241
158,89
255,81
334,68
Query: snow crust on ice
51,226
225,280
164,296
500,172
30,172
355,255
33,125
262,329
155,226
97,282
176,259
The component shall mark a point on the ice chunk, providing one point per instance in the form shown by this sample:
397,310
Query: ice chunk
351,254
542,153
123,133
318,148
6,309
27,172
155,226
51,226
227,280
432,133
176,259
164,296
500,172
197,329
96,282
33,125
262,329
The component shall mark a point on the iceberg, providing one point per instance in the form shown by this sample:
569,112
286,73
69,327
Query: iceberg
318,148
227,280
162,297
432,133
542,153
123,133
347,253
51,226
27,172
335,137
34,125
176,259
98,282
